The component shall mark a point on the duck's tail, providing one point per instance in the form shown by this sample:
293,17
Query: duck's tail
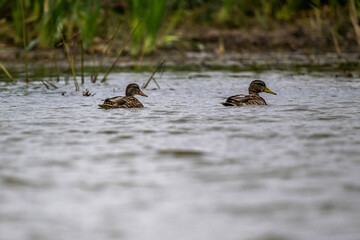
227,104
105,106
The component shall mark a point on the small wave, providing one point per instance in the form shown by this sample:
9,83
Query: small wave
181,153
108,132
330,118
120,138
319,136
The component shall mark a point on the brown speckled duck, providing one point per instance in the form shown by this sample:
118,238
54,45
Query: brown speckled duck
129,101
253,98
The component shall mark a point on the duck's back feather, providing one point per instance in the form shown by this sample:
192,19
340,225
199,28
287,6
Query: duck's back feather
121,102
242,100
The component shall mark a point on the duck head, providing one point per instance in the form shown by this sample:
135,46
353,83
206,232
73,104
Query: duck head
257,86
133,89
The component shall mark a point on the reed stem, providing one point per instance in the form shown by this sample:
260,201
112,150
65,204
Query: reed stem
152,75
82,62
336,43
354,20
56,66
24,40
6,72
71,61
120,52
106,50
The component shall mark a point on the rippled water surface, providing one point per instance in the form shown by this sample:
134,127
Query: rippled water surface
184,167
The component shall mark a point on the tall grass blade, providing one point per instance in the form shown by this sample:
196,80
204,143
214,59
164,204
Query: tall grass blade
94,73
120,52
24,40
47,84
6,72
354,20
336,43
82,62
106,51
56,66
152,13
152,75
71,61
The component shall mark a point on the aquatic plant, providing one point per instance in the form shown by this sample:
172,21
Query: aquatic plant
82,62
354,15
30,23
42,19
56,66
121,51
21,3
153,14
6,72
71,61
108,46
70,16
159,68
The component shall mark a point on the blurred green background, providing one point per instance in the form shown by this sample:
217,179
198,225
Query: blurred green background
37,23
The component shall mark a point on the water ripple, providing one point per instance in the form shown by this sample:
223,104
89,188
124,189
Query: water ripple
69,170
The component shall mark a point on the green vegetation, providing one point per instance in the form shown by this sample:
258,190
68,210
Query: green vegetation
159,68
120,52
151,14
36,23
6,72
21,3
71,62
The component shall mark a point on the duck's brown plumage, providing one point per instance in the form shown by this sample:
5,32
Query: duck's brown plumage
252,98
122,102
242,100
128,101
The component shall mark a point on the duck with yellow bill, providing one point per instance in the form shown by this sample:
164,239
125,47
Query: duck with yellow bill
253,98
127,101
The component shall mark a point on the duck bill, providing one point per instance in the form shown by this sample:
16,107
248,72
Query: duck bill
269,91
142,94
